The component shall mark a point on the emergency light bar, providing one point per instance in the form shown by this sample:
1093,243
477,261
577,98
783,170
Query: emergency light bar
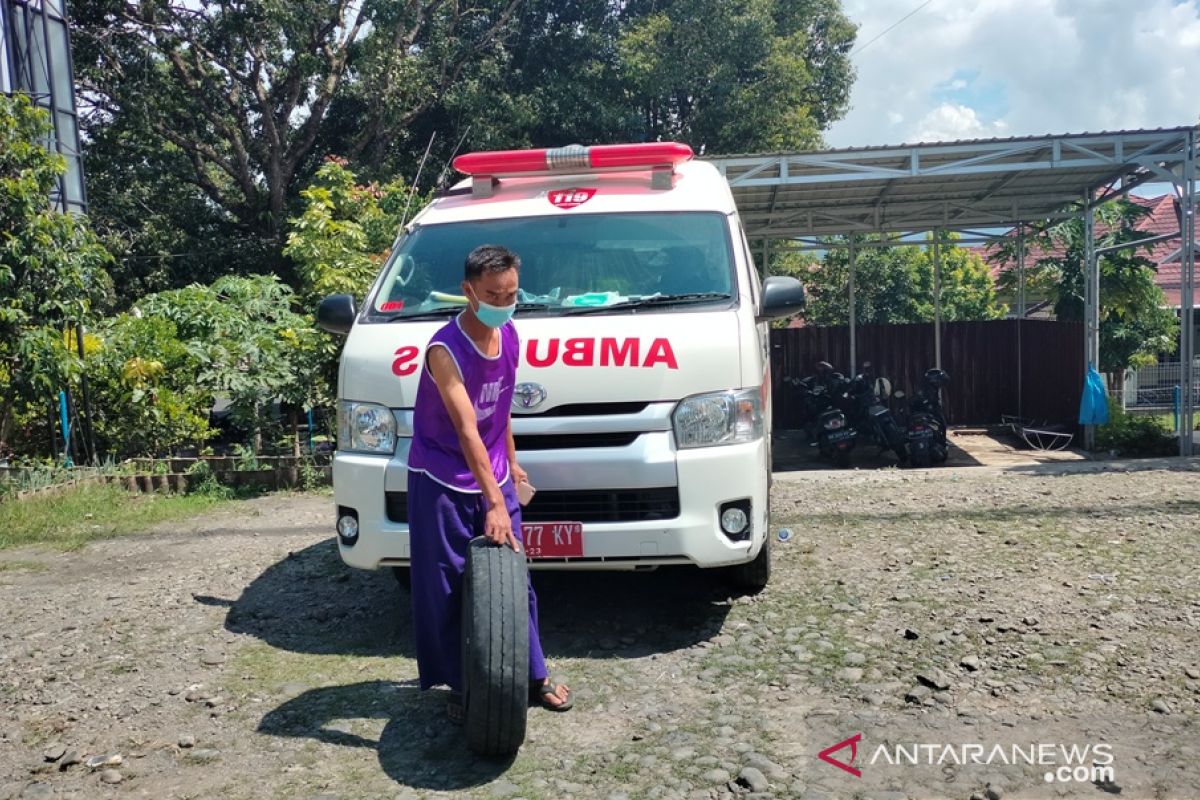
572,158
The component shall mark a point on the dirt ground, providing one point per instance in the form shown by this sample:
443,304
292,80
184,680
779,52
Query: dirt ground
234,656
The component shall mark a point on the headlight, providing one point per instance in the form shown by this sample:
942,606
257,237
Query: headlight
719,418
366,427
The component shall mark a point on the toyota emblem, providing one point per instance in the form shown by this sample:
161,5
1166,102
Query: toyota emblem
527,396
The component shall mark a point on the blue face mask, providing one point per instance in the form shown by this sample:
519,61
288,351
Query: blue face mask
493,316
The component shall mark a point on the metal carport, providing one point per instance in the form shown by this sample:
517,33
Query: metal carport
967,186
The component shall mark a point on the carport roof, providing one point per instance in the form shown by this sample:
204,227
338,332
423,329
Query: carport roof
982,183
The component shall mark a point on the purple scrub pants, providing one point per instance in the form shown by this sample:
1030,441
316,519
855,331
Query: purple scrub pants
441,521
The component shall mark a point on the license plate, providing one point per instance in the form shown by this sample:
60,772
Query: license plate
837,436
553,539
925,434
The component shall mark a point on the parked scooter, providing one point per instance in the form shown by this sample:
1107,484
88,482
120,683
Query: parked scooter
825,422
862,401
927,442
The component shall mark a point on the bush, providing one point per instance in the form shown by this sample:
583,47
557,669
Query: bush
1134,435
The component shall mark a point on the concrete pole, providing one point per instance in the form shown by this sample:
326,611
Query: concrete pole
937,299
853,319
1187,298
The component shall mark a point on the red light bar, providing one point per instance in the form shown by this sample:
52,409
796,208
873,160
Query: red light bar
573,158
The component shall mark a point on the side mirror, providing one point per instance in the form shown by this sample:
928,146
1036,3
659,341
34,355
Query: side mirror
336,313
781,297
899,394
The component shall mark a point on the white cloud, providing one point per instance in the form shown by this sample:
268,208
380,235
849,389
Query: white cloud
971,68
954,121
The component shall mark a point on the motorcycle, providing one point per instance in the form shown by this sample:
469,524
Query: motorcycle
826,423
862,400
927,442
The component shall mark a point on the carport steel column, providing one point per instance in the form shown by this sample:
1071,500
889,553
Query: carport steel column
1091,301
1187,296
853,315
937,298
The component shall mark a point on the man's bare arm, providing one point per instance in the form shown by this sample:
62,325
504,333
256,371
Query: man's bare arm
462,415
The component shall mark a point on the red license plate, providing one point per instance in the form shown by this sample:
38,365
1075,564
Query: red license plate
553,539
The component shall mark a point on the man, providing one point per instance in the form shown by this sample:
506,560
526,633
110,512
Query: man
463,471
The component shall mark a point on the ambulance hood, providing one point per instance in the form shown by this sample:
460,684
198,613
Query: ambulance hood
621,357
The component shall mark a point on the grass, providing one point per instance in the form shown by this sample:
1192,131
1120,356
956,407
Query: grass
69,521
28,566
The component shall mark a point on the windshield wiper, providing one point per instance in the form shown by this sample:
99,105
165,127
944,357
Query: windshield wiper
657,301
433,313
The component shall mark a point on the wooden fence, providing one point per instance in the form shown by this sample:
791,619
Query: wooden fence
1033,368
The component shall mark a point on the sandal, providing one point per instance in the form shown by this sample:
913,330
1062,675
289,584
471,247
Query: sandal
454,708
538,695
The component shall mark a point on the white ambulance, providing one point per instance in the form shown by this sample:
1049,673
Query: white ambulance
642,405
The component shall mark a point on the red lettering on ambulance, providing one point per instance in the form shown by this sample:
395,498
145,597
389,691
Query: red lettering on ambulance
406,361
618,355
661,353
531,354
579,352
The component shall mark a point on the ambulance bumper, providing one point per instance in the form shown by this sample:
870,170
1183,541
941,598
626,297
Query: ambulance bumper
705,480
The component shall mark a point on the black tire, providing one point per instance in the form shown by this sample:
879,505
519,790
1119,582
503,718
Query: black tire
753,576
403,576
495,628
919,457
841,458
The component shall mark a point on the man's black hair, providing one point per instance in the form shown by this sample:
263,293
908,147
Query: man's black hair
490,258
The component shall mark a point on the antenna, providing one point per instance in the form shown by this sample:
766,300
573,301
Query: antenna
416,181
442,175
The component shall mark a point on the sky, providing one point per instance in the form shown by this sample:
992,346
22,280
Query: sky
959,69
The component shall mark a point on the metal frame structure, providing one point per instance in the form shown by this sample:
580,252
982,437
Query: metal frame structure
35,59
964,186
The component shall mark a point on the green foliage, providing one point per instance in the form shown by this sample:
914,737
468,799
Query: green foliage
1135,328
1134,434
70,520
145,397
345,232
894,284
207,119
246,341
736,77
51,270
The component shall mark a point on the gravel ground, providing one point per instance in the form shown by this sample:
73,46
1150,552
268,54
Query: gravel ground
235,657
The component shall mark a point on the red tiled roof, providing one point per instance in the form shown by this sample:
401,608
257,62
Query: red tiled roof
1160,220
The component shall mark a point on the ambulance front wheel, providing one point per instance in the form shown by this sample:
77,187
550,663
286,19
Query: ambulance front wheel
754,575
495,648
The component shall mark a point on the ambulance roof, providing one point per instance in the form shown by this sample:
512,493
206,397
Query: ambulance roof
698,186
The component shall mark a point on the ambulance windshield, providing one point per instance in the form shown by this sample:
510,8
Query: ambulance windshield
568,262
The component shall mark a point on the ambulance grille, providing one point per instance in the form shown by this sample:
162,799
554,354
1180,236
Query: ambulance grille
579,505
567,441
586,410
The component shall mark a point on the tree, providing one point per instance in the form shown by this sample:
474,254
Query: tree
51,269
203,120
235,104
895,284
1135,325
339,244
737,77
248,343
345,232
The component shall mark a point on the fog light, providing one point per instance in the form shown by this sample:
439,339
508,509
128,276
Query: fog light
347,528
734,520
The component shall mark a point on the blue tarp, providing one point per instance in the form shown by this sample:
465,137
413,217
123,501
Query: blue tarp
1093,406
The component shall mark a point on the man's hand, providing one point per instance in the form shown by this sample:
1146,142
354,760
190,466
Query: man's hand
497,527
518,475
